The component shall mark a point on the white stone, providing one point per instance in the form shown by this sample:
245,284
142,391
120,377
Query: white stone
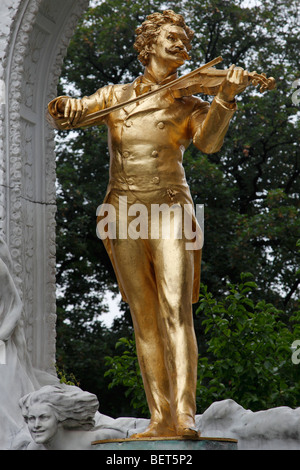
34,36
273,429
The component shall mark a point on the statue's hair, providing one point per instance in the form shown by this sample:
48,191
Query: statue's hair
72,407
147,33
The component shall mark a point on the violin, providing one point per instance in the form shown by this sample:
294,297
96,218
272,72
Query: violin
205,79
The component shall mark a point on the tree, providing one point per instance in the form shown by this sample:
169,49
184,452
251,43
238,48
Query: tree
255,225
250,189
248,356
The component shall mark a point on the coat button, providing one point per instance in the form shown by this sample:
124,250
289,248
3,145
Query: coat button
155,180
130,181
125,154
154,154
128,123
161,125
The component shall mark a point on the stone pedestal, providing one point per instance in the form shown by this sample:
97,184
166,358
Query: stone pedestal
170,444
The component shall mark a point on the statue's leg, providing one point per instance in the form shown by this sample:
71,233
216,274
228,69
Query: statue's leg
157,277
174,271
135,270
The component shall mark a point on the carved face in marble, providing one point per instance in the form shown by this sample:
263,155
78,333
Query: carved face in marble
42,422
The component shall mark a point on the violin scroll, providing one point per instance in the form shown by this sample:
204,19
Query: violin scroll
262,80
205,79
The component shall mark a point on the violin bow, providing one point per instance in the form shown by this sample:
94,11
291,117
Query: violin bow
254,77
91,118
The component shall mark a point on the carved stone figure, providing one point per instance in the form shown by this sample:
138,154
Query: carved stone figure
158,277
16,373
272,429
63,418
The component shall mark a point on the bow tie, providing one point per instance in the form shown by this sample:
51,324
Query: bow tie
144,85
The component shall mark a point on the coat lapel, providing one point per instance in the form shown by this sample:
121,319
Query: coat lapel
125,94
159,101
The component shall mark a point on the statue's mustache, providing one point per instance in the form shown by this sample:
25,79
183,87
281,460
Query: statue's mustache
176,50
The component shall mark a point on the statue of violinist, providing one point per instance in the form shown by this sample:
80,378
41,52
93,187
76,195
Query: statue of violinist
159,278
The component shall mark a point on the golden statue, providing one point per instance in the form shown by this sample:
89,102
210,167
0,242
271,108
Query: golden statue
151,122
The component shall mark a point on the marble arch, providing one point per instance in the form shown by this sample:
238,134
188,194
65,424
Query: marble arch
34,35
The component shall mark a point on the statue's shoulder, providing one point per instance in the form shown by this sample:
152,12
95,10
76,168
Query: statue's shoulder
113,88
121,87
112,93
123,92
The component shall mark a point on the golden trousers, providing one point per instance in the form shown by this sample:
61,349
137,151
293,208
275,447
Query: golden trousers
157,277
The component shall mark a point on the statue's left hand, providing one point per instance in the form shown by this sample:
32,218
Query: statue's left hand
233,83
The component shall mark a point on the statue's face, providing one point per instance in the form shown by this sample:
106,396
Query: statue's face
171,45
42,423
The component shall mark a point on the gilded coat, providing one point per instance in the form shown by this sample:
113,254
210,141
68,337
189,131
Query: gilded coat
147,141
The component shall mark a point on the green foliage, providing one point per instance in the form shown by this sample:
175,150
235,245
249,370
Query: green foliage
248,351
248,356
66,378
124,370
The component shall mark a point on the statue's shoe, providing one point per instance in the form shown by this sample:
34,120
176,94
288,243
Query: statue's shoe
186,427
187,432
155,430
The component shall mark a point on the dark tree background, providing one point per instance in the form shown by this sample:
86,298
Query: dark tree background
250,189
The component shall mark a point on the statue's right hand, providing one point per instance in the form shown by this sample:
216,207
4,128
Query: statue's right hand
74,110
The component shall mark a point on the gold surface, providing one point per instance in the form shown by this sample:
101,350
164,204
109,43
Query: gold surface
159,278
204,79
177,438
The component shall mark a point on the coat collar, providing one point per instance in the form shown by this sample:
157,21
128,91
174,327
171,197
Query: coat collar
140,85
